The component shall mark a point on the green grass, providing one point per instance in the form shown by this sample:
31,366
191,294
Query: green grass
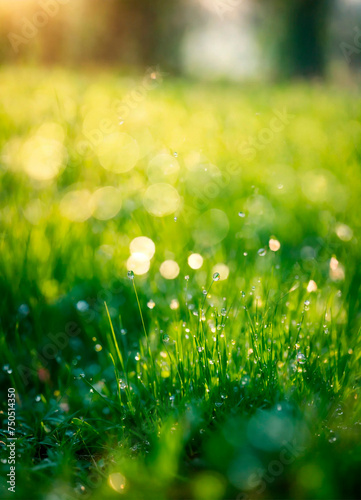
244,387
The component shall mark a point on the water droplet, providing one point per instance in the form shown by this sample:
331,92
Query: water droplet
38,398
312,286
23,310
98,347
216,277
274,245
122,385
204,292
165,338
262,252
301,358
175,154
200,348
174,304
186,277
82,306
131,275
218,404
241,214
223,311
175,219
151,304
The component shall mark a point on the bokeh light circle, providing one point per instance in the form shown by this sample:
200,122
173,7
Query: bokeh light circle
211,228
76,205
169,269
118,152
143,245
106,203
161,199
195,261
163,168
138,263
42,158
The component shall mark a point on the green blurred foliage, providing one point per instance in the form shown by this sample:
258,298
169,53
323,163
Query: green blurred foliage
207,402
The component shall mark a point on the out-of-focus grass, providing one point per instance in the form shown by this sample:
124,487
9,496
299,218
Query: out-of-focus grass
243,387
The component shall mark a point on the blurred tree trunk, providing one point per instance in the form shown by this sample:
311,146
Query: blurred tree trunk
303,37
158,26
308,36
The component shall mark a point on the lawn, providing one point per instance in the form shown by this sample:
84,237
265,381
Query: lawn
180,287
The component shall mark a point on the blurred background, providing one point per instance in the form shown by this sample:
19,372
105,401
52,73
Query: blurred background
221,39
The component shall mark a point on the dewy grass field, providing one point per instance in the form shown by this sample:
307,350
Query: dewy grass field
180,288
